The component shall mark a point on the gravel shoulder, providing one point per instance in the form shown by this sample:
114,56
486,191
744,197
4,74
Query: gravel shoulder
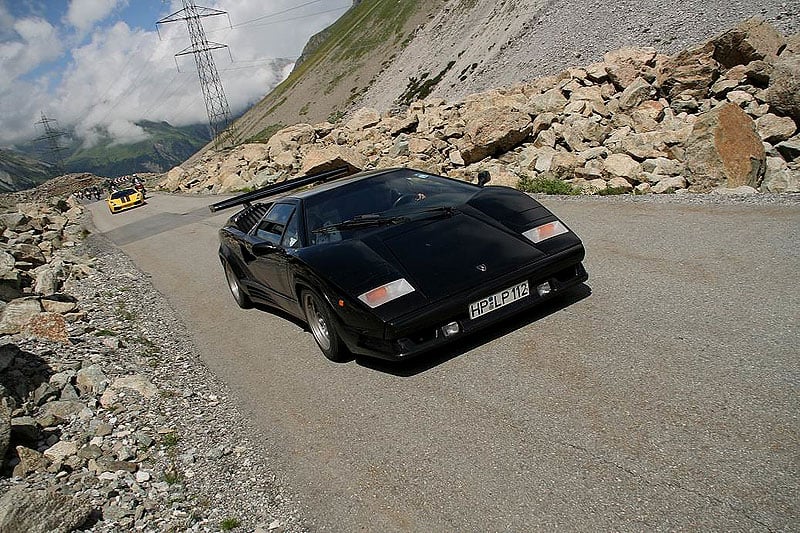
198,466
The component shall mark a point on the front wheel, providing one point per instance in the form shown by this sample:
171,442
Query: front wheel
323,327
242,300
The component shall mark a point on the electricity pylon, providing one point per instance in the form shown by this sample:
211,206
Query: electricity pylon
219,114
51,136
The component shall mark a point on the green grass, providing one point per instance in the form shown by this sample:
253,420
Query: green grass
267,133
420,88
547,186
171,440
172,476
104,333
125,314
229,523
612,191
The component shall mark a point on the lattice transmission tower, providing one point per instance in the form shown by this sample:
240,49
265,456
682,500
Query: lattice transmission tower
219,114
53,149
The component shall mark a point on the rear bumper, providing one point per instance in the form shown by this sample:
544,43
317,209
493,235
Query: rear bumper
422,330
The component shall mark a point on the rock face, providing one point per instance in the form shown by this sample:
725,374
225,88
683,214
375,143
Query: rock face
30,511
693,112
752,40
783,95
724,148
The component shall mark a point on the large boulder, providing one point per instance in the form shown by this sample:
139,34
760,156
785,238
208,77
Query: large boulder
779,177
774,129
783,95
752,40
493,131
724,150
331,157
25,510
552,101
689,74
289,139
364,118
626,64
621,166
173,179
634,94
18,313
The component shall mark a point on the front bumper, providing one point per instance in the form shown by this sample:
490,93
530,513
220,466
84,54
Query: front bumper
422,330
122,207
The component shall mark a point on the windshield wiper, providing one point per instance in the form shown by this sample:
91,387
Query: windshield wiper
444,211
362,221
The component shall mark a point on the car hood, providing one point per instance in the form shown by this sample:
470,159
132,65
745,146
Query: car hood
446,256
439,257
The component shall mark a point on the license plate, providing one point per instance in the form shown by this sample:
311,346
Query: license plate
498,300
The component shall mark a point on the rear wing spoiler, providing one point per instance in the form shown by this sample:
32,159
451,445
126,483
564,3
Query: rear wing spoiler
279,188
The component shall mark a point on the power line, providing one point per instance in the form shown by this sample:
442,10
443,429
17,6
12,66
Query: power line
341,8
276,13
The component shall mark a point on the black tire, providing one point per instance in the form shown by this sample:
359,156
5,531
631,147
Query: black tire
323,327
235,286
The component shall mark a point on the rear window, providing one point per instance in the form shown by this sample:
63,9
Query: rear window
116,195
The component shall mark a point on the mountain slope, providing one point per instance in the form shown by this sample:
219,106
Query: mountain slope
384,53
19,171
475,45
165,147
344,60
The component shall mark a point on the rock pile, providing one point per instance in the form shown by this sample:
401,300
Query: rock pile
723,114
107,420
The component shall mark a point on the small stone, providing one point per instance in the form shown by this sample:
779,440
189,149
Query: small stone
61,450
142,476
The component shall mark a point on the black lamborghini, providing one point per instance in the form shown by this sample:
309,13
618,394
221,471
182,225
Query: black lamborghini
391,263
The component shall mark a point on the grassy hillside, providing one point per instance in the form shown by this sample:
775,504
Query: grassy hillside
165,147
19,171
352,52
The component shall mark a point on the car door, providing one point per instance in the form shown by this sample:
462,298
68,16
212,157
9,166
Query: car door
275,240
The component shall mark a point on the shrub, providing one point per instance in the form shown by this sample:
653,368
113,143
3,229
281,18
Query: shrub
547,186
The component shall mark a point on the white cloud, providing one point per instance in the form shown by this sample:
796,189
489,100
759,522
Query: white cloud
35,41
83,14
120,75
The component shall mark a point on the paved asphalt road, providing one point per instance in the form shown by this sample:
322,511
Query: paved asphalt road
666,398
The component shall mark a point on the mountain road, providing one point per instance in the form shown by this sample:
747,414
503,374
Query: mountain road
662,395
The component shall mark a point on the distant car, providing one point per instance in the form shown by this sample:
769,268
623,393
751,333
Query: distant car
124,199
393,263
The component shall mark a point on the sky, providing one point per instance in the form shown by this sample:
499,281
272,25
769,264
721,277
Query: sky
99,66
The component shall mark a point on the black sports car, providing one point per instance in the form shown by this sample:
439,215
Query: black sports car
391,263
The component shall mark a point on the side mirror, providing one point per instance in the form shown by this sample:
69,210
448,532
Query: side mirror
264,248
483,178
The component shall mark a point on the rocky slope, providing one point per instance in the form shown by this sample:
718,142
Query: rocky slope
722,114
108,422
479,45
384,53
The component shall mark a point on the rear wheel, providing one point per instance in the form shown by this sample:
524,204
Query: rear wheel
242,300
323,327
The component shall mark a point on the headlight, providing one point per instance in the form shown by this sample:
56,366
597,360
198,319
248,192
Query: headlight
386,293
545,231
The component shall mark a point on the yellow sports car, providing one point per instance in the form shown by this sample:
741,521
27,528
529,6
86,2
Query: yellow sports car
124,199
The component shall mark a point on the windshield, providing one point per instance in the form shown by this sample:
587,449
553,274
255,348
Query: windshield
388,197
121,194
